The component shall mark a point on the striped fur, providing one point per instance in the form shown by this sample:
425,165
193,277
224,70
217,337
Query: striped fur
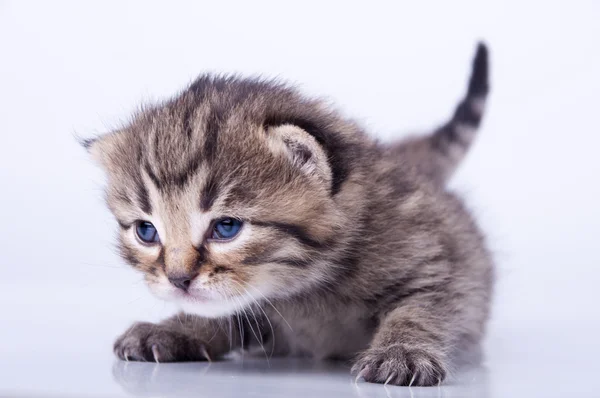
350,248
438,155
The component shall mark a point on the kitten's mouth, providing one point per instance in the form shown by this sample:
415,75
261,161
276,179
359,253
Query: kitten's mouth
195,295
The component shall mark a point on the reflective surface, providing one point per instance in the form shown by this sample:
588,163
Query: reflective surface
287,378
552,374
58,340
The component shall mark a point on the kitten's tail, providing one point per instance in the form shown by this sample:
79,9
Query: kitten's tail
438,154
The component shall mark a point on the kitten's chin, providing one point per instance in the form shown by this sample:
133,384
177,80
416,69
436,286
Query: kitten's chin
212,308
203,305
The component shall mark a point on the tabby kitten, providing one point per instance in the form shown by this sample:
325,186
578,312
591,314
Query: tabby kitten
274,222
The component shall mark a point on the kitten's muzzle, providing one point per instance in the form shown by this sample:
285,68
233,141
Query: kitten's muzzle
181,266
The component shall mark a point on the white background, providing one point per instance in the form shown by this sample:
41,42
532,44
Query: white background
70,68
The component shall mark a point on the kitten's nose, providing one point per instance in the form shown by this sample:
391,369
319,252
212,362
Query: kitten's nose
181,281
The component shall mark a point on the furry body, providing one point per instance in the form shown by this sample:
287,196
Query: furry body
350,248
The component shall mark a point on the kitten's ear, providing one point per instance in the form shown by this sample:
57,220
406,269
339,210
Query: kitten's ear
101,148
301,149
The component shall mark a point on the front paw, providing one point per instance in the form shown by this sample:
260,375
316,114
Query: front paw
401,365
145,341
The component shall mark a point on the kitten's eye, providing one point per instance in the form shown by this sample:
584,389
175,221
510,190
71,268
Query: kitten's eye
146,232
226,228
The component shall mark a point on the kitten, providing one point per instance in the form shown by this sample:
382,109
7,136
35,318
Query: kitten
274,222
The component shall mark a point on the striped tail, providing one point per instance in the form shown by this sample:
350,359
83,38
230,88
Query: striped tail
438,155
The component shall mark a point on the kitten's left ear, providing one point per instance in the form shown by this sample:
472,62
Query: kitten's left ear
301,149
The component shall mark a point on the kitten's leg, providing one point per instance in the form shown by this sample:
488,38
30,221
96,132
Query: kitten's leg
410,347
182,337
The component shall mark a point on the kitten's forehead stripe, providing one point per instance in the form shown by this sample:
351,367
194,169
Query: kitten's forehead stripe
213,123
180,180
157,149
152,175
187,123
209,193
143,197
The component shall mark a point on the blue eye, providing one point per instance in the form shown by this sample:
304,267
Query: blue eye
226,228
146,232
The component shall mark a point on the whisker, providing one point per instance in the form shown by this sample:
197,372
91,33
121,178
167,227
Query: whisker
271,304
256,322
266,317
259,340
239,321
231,327
230,334
250,307
217,327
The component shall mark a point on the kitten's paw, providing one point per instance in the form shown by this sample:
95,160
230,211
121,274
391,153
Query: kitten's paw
150,342
400,365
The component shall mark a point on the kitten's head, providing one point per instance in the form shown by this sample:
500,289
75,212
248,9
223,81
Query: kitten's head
230,193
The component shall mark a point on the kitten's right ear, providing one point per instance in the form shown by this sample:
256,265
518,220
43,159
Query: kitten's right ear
101,148
87,143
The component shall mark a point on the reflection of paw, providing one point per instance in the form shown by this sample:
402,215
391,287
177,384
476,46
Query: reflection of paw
145,341
400,365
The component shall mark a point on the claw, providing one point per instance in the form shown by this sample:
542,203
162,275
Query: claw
205,353
388,380
155,353
361,375
126,356
412,380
